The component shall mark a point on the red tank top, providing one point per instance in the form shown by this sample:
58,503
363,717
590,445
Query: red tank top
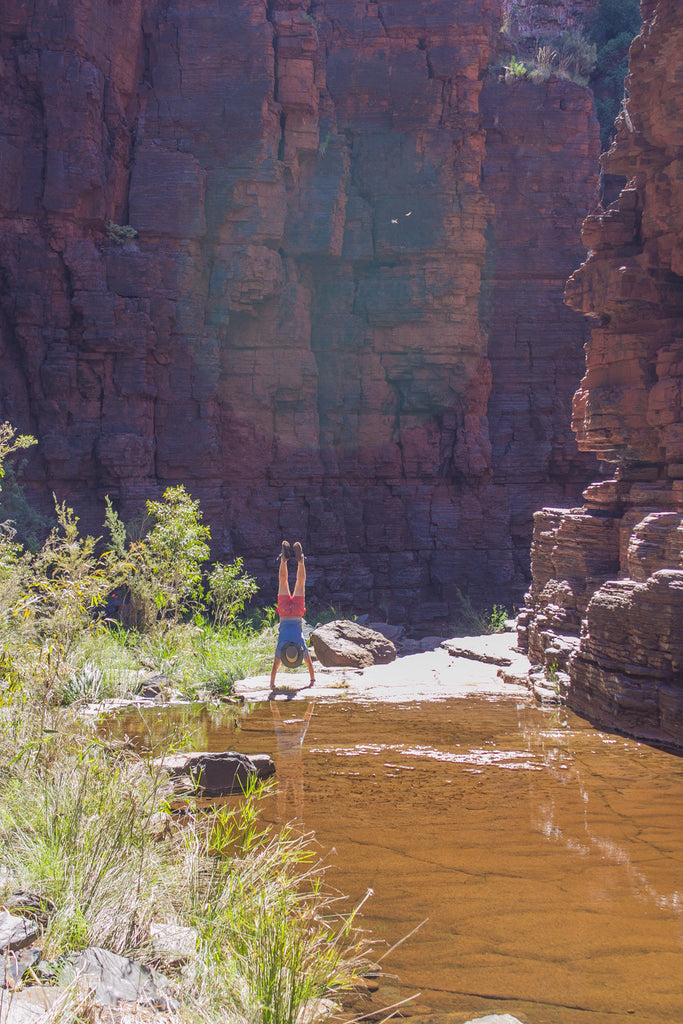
290,607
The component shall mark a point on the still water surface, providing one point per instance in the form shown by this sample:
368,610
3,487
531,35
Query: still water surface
546,856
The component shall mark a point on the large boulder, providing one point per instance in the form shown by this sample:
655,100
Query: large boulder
346,644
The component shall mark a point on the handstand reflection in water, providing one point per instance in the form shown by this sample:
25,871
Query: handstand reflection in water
290,733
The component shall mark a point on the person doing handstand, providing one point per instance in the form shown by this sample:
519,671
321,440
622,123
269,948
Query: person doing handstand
291,647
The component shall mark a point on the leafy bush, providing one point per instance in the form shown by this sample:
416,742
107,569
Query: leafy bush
613,18
515,70
29,526
121,233
229,590
163,570
497,619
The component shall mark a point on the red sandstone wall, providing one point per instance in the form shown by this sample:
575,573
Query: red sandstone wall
608,578
299,330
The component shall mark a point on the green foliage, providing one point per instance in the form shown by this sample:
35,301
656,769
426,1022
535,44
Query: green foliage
577,56
611,31
551,674
29,526
229,589
69,581
121,233
497,619
10,442
56,639
163,569
613,18
546,58
174,552
84,685
516,70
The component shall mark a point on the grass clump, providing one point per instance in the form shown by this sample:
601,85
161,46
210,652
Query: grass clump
77,830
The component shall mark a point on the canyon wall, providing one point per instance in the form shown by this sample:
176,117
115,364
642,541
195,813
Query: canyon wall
308,260
605,614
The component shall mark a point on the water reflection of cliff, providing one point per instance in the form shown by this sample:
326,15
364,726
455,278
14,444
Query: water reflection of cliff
590,809
289,735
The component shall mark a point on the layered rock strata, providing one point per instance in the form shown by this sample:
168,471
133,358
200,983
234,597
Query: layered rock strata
607,590
243,247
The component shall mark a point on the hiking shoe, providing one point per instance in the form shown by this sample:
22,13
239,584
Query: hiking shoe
286,552
298,552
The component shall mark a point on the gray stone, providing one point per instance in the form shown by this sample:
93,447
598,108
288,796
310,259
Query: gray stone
31,905
16,932
31,1005
117,979
14,967
343,643
493,649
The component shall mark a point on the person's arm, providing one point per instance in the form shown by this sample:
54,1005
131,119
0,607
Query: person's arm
311,670
273,671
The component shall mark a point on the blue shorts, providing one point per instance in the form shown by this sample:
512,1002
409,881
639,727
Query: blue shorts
290,633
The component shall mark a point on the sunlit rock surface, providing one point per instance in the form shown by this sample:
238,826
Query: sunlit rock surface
609,575
308,260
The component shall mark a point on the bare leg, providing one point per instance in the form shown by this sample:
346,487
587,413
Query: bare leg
283,580
273,672
300,582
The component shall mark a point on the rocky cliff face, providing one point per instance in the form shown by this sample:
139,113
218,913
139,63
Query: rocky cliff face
297,257
607,588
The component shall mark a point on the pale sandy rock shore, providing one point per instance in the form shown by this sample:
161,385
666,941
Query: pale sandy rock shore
489,665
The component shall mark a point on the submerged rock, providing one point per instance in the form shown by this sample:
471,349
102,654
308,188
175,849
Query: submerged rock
216,774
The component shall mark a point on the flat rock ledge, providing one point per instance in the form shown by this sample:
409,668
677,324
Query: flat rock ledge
433,674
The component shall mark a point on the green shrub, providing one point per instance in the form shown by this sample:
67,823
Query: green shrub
163,569
497,619
121,233
516,70
229,589
577,56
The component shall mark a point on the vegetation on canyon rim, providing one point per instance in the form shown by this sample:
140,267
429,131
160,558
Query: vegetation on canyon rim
78,813
596,56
